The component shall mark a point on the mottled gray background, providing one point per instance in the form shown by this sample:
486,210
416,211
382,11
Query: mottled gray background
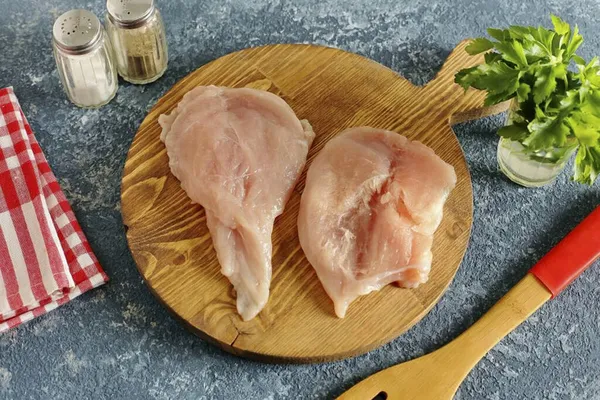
117,342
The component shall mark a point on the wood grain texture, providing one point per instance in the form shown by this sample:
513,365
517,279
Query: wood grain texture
334,90
437,376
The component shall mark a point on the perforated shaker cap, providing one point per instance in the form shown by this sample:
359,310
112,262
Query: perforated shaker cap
77,31
129,13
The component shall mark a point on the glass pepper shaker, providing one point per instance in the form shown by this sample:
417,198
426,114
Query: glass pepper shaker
84,59
137,33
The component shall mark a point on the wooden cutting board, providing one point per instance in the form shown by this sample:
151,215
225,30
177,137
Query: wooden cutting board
334,90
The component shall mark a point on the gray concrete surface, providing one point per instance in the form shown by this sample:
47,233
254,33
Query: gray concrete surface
117,342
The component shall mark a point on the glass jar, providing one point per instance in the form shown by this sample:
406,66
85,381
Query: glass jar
531,169
84,59
137,33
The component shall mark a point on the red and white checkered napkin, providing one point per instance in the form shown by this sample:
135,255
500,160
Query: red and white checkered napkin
45,259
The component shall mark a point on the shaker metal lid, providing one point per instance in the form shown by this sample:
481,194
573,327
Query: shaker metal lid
76,31
129,12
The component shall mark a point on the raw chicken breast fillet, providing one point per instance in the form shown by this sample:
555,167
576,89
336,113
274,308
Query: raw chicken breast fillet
372,201
238,153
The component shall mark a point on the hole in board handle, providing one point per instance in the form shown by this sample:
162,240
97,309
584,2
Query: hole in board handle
381,396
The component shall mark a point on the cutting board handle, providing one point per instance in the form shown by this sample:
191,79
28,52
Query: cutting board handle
465,105
456,60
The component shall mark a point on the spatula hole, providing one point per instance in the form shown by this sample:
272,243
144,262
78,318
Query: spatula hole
381,396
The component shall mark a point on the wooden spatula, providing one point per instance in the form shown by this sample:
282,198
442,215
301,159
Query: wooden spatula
438,375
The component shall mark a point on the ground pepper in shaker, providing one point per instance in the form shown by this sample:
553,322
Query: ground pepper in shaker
137,33
84,59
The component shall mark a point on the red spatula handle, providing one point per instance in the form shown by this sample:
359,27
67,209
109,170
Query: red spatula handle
577,251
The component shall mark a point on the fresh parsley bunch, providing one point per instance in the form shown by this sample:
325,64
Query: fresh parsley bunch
559,108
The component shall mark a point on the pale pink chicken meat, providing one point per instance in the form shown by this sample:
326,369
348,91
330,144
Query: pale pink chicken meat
238,153
372,202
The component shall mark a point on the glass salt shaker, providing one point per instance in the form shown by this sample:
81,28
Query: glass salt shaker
84,59
137,33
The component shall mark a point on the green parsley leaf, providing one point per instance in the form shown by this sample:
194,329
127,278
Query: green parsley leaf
514,132
591,71
513,52
558,108
533,51
543,38
560,26
519,32
569,100
498,34
466,77
586,134
576,41
498,78
545,83
594,102
585,125
587,164
578,60
495,98
523,92
479,45
539,113
546,134
492,57
560,71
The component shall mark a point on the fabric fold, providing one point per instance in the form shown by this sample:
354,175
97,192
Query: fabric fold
45,258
